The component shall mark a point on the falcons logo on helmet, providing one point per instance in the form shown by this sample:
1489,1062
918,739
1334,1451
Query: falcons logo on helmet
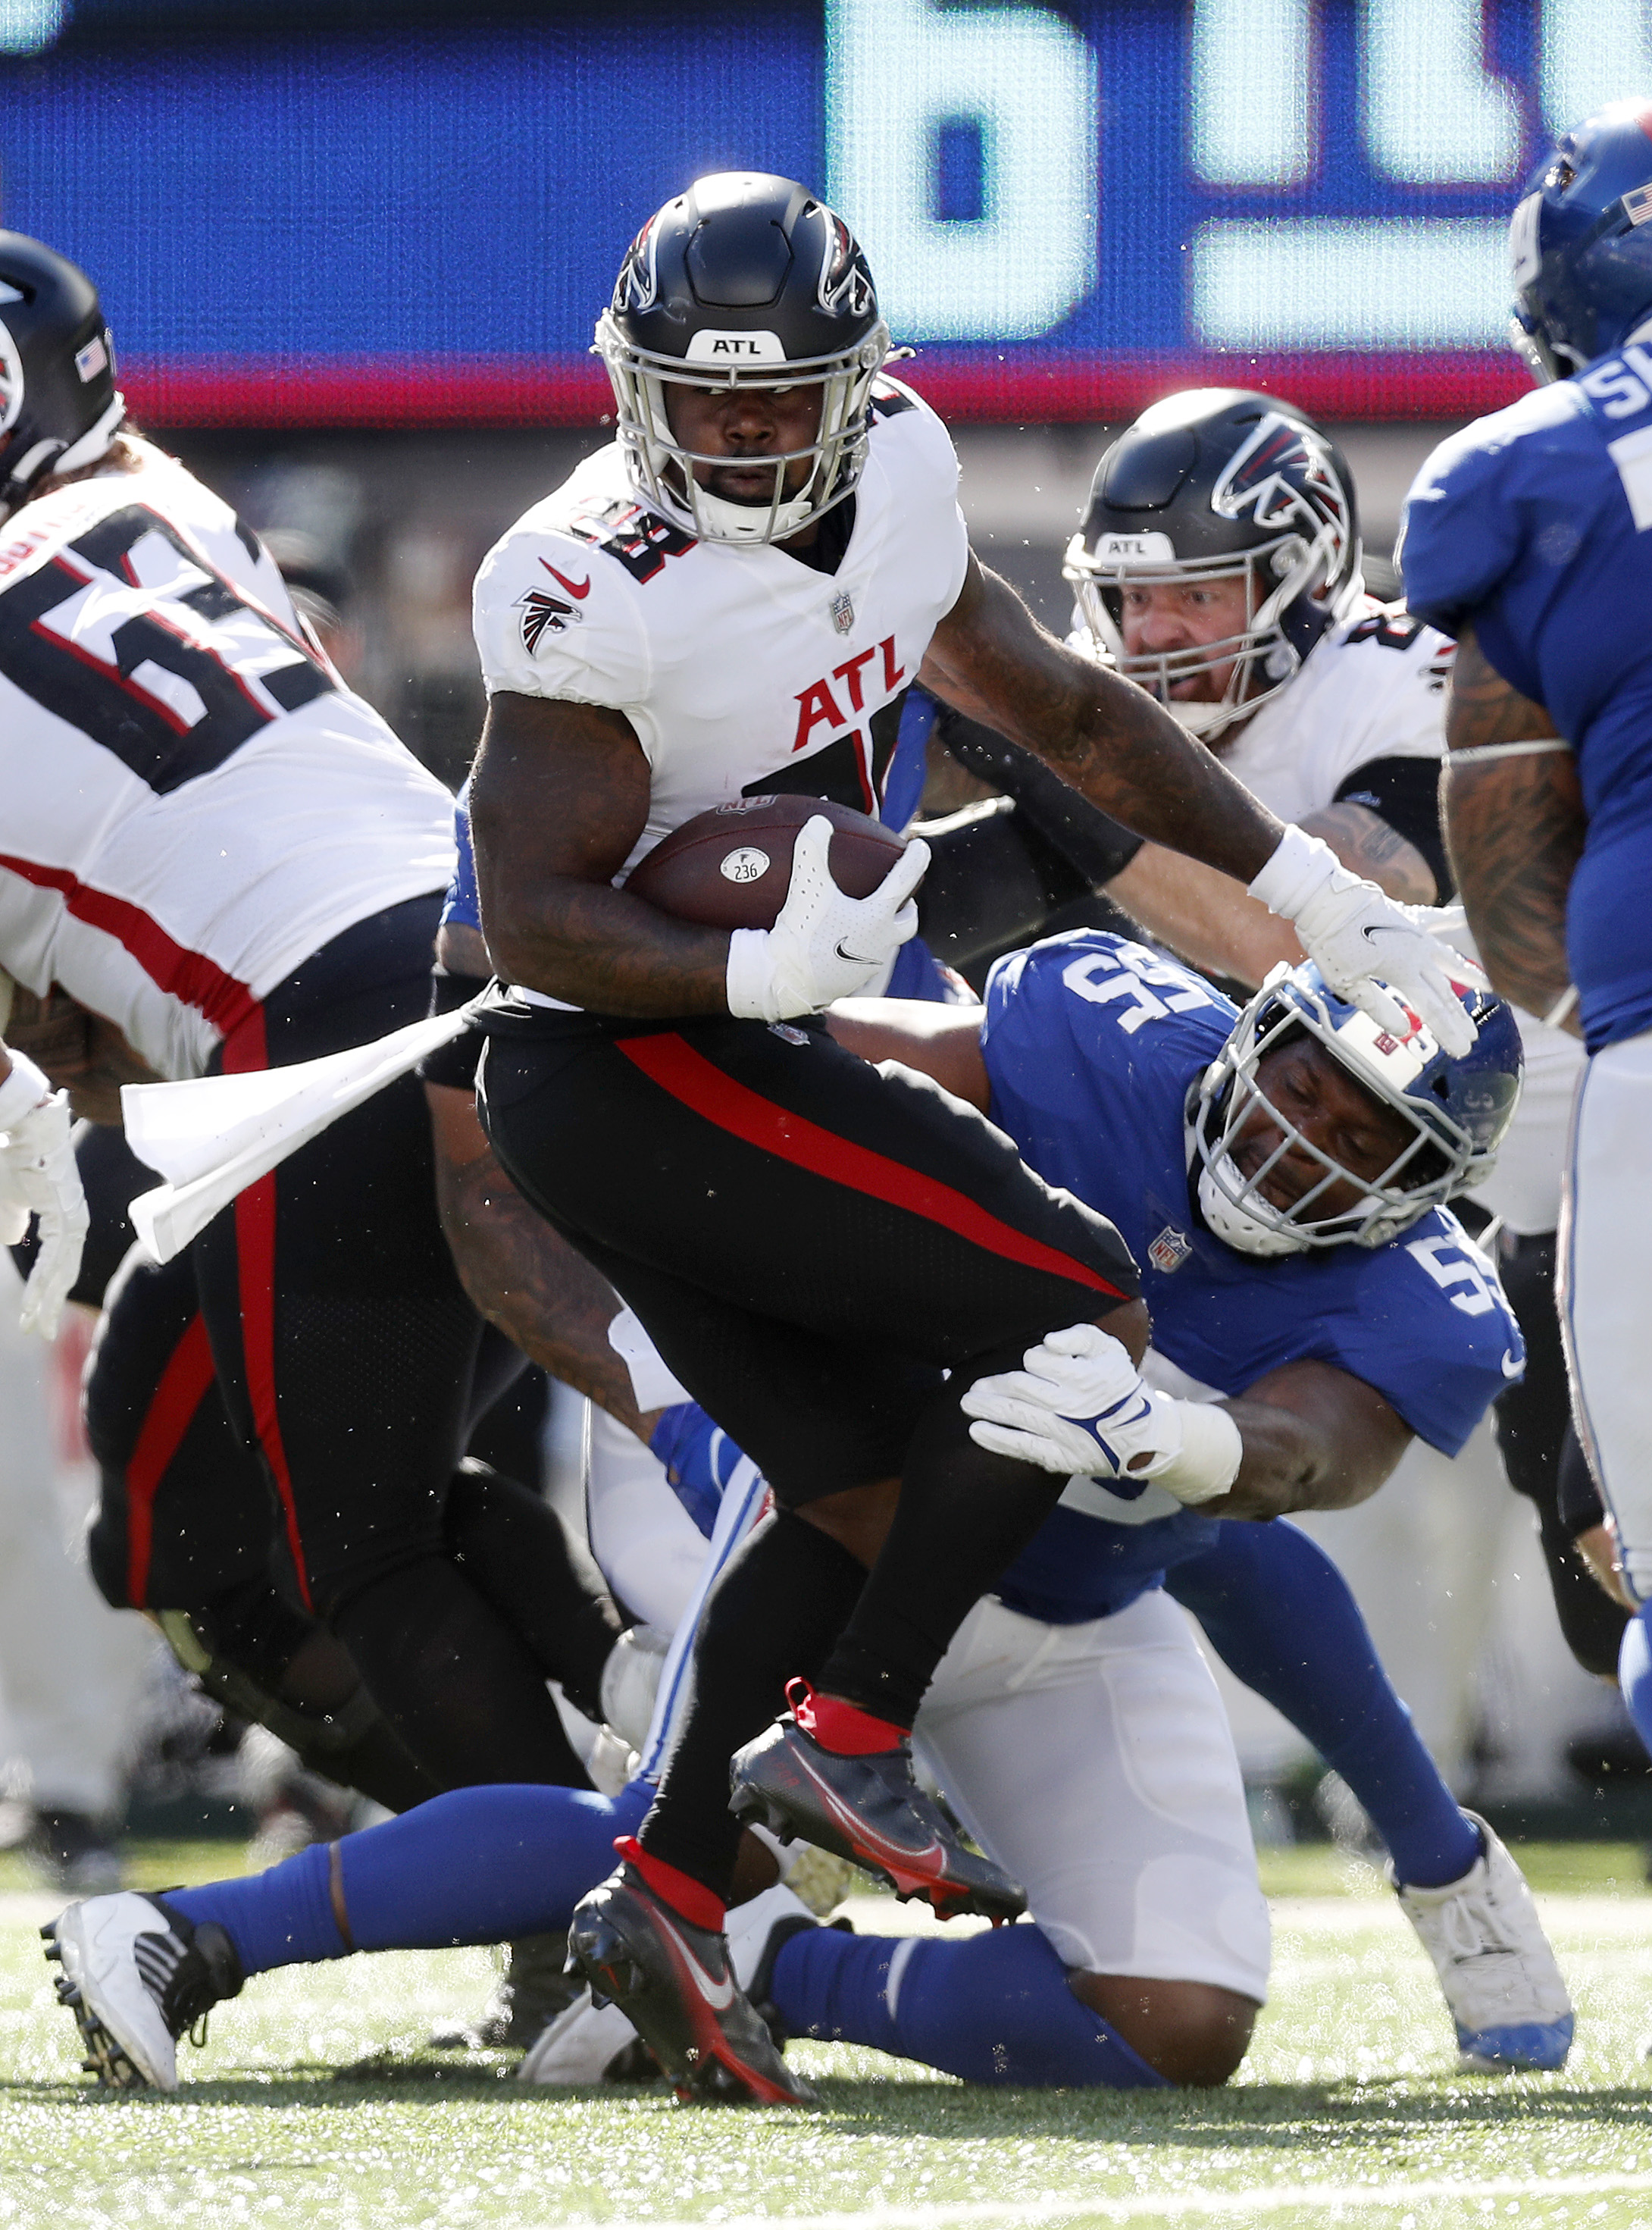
1282,477
541,610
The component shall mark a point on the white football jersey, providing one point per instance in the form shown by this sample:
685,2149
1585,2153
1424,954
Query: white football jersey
1372,688
742,669
193,801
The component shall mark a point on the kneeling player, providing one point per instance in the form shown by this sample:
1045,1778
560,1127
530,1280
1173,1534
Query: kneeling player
1054,1721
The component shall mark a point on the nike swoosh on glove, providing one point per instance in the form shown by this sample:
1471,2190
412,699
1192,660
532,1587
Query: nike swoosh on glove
38,1175
1368,947
824,945
1081,1406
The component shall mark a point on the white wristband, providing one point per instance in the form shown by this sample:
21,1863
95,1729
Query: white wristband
1208,1461
749,980
23,1090
1298,866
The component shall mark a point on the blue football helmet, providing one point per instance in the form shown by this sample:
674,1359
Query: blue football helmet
1457,1112
1581,243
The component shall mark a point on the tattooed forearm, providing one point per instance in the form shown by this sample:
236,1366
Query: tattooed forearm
1362,840
1483,709
1514,829
528,1282
558,797
992,660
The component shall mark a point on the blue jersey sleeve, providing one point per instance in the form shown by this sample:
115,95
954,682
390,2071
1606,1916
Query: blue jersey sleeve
1458,538
462,905
1429,1327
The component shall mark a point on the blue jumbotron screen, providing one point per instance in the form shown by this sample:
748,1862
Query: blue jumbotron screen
412,216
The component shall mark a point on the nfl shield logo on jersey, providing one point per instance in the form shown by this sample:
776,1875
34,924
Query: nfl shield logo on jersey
843,612
1170,1250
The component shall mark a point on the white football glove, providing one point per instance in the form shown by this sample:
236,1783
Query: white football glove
1356,933
1082,1405
631,1682
824,945
38,1178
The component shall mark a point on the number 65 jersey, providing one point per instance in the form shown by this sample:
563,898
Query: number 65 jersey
191,802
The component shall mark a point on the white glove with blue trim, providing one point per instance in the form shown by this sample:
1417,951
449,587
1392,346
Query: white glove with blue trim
1082,1407
824,945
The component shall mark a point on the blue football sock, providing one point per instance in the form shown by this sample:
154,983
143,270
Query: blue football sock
994,2007
477,1866
1283,1619
1634,1674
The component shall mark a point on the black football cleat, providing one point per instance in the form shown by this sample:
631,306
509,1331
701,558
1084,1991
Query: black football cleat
870,1810
675,1985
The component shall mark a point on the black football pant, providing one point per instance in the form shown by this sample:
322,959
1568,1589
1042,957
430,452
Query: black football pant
812,1243
326,1377
1543,1459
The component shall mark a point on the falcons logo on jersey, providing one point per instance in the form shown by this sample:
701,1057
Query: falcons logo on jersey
1284,477
541,610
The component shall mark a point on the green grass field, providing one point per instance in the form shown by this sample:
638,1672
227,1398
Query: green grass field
314,2103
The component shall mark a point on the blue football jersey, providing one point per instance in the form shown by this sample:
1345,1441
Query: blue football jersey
1531,527
461,904
1092,1044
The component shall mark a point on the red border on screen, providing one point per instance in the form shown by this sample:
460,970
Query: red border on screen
407,392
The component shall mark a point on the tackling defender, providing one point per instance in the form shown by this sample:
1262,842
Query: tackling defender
730,600
1058,1697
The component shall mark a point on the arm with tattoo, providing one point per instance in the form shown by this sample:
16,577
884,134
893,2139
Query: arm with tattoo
1514,823
991,659
1211,920
558,797
524,1277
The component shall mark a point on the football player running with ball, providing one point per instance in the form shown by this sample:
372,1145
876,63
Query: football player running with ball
728,600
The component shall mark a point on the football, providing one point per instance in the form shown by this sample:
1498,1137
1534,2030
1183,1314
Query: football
731,867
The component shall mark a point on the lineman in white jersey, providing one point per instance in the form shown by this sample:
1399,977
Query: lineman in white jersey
731,604
213,844
1219,564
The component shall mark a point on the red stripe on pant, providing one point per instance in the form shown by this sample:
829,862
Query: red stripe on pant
698,1084
183,1386
255,1261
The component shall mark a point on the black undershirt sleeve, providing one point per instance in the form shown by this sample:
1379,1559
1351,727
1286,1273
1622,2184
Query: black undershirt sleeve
1094,846
1405,793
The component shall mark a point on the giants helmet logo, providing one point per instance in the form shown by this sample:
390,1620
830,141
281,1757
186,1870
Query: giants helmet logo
1283,477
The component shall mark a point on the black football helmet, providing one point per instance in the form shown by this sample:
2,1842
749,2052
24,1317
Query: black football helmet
744,280
1216,484
59,409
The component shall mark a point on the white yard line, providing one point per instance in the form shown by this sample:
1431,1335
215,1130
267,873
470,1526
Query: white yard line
1182,2206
